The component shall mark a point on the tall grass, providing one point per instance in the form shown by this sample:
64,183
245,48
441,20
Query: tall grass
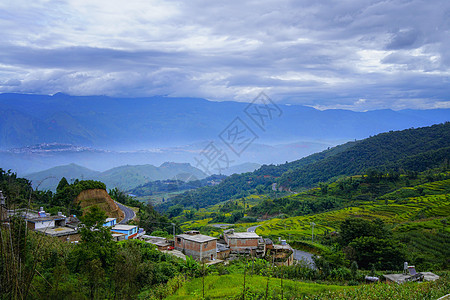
232,286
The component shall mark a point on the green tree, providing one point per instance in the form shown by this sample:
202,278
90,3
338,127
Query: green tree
96,241
384,254
62,184
352,228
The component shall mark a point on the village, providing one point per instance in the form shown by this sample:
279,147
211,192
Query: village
206,249
229,246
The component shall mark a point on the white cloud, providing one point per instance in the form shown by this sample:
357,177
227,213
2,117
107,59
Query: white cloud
322,54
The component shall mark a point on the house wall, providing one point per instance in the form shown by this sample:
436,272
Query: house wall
129,234
41,224
199,251
110,223
223,254
241,244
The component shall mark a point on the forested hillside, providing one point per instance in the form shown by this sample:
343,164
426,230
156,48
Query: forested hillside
411,149
400,149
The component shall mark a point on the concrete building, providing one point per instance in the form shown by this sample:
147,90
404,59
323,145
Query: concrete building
63,233
241,241
129,231
110,222
200,247
46,222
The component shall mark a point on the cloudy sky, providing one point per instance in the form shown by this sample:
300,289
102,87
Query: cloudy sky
353,54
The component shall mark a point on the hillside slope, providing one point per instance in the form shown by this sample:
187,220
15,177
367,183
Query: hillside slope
404,148
99,198
417,214
411,149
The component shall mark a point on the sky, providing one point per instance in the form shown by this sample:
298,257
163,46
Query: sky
348,54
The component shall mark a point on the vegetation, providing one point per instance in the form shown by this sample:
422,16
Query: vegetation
174,185
406,291
413,150
35,266
396,209
231,287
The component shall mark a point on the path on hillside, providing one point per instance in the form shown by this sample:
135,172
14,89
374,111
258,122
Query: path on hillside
253,228
128,212
305,256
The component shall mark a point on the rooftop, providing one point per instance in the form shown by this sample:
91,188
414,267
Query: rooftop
46,219
401,278
124,227
57,231
222,247
109,219
282,247
243,235
199,238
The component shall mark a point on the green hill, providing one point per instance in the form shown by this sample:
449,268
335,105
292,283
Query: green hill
129,177
411,149
417,214
49,179
400,149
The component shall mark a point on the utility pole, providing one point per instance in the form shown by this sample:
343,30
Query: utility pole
312,231
173,225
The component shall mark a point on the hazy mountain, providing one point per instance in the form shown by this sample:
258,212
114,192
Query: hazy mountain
50,178
135,123
128,177
123,177
26,160
242,168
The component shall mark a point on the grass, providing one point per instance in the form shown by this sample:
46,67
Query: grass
231,286
407,291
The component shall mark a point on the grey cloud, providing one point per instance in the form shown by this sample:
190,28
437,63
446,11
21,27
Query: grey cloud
403,39
328,53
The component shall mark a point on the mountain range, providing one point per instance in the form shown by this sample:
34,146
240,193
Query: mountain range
123,177
138,123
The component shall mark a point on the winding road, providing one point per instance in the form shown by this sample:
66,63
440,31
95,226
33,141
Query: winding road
129,213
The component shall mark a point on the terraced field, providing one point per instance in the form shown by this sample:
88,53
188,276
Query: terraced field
404,214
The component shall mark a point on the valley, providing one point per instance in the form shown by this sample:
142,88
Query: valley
357,210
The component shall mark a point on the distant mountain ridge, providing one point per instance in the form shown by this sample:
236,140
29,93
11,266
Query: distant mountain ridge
104,121
123,177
